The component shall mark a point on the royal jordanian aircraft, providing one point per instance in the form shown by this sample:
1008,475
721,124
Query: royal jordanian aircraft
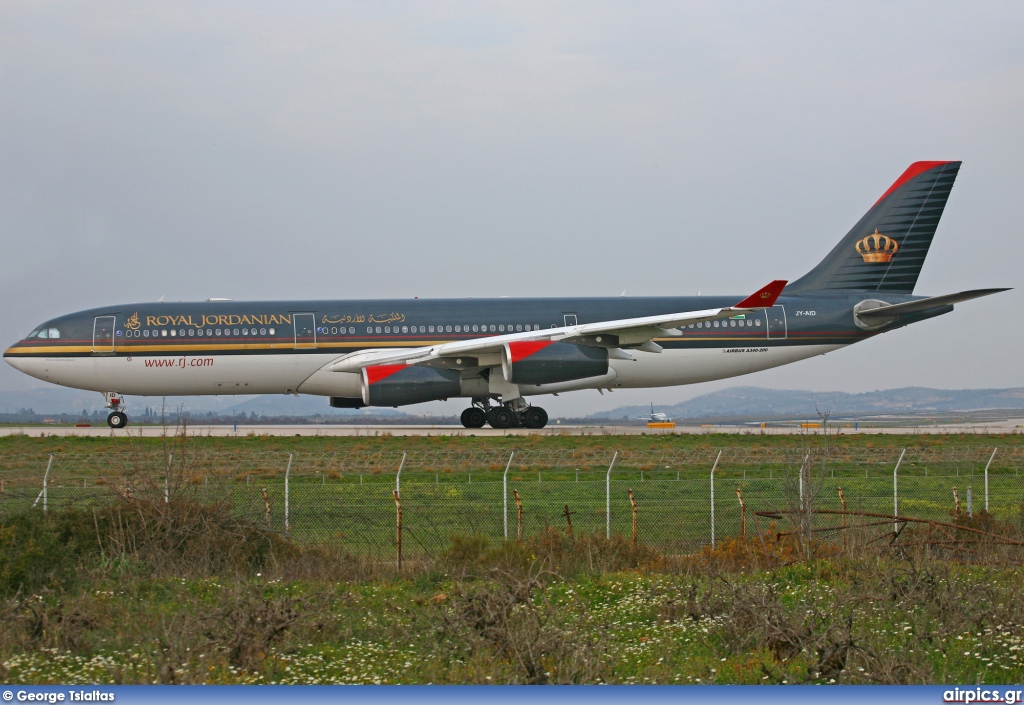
499,352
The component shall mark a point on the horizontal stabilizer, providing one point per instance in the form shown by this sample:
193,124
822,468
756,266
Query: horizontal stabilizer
926,304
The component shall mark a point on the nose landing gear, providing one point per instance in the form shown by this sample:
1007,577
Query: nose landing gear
117,418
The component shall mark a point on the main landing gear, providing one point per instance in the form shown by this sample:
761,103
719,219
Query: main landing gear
117,418
504,416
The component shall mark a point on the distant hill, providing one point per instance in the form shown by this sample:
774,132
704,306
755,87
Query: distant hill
757,403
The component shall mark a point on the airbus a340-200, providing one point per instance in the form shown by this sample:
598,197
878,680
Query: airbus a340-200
498,353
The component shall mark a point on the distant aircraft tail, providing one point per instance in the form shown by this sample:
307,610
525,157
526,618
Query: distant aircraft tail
886,249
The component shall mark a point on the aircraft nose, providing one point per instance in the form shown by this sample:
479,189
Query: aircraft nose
28,365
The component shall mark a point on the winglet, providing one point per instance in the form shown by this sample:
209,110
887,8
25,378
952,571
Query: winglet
764,297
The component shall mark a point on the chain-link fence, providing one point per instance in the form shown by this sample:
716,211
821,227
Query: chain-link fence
684,499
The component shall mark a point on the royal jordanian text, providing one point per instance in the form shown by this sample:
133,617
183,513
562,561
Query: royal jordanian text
220,320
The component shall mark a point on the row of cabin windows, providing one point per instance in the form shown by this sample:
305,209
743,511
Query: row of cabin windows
324,330
732,323
500,328
194,332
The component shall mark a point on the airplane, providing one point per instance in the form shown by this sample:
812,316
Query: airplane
498,353
655,417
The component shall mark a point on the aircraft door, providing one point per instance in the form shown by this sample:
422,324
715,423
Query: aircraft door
305,330
777,322
103,334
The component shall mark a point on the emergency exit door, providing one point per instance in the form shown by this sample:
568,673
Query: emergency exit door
103,334
305,330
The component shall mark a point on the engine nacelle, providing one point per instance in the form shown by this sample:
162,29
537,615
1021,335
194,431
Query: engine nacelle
543,362
398,385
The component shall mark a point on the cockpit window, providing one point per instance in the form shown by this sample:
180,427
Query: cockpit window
43,333
33,334
54,333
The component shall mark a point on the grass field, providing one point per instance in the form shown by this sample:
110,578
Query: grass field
114,584
340,490
81,604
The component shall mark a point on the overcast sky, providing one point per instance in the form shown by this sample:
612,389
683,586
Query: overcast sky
346,150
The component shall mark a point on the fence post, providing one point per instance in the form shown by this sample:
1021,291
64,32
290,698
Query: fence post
167,479
287,475
504,492
608,498
991,458
970,502
713,468
519,515
743,513
956,502
398,526
895,490
398,477
801,479
632,503
46,478
842,500
266,505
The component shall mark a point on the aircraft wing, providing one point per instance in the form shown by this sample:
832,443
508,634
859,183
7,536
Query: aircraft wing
925,304
626,332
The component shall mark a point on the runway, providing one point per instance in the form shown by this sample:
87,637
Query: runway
243,430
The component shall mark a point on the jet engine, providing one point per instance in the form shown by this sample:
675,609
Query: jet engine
398,385
543,362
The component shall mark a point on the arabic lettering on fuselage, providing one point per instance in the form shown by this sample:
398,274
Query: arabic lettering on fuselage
343,319
387,318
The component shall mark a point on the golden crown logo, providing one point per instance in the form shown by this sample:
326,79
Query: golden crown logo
133,322
877,247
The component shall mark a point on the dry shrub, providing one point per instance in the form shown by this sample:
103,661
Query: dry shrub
552,549
186,537
506,626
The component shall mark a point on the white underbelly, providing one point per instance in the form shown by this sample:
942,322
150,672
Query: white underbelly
693,365
175,376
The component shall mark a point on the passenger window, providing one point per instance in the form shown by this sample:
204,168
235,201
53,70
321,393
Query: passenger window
405,329
757,323
263,331
272,330
217,331
448,329
191,332
378,329
145,334
352,331
519,327
458,329
235,331
501,328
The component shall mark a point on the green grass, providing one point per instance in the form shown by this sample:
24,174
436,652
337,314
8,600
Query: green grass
622,627
340,489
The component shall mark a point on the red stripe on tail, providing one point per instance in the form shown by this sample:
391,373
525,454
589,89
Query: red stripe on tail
915,169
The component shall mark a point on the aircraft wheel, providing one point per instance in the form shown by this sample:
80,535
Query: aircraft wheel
535,417
501,418
117,419
473,418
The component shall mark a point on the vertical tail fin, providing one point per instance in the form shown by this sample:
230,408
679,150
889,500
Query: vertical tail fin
885,250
